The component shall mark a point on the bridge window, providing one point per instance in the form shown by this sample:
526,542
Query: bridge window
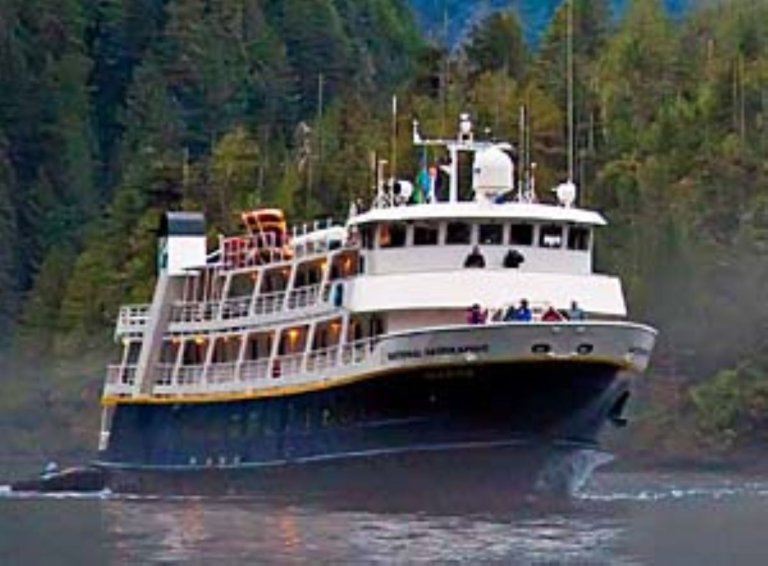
366,235
521,235
578,238
425,235
551,236
392,235
491,234
458,233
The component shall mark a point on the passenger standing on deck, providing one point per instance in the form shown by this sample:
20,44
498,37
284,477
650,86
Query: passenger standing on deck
523,312
475,258
476,315
551,315
575,312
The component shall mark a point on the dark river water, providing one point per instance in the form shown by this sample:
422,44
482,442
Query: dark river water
617,518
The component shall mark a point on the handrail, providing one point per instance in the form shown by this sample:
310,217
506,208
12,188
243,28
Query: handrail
118,374
240,307
197,378
252,250
253,370
132,317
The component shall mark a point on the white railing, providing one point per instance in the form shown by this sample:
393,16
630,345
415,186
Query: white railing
240,307
357,352
164,374
321,360
190,375
132,318
253,250
195,312
254,370
120,374
303,297
230,376
287,366
222,373
269,303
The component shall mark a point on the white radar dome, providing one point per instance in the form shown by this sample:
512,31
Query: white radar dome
493,173
566,193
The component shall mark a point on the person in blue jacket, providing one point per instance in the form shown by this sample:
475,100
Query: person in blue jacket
524,313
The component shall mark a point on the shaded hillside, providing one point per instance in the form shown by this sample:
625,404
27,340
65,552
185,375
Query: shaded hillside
109,112
112,112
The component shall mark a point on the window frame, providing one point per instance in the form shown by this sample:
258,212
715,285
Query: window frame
393,228
531,241
447,240
543,234
585,238
428,228
496,227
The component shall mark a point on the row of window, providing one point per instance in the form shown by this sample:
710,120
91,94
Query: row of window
394,235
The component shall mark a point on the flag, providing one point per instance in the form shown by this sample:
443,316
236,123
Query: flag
422,180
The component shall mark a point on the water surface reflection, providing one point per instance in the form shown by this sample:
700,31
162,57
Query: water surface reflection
618,519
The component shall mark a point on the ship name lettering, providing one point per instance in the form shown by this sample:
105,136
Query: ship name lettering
438,351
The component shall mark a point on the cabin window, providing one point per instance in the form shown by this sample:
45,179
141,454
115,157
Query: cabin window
551,236
491,234
242,284
392,235
366,235
458,233
258,346
226,349
194,351
134,349
578,238
425,235
168,352
521,235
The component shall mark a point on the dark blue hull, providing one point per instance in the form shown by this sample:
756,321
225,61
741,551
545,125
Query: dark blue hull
391,418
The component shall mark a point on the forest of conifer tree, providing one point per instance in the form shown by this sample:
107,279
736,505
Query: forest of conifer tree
115,110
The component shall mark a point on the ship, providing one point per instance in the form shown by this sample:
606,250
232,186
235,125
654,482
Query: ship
453,322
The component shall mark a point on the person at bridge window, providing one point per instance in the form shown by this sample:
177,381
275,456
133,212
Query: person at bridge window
513,259
551,315
523,312
475,258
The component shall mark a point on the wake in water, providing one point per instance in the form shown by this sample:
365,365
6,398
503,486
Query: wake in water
628,487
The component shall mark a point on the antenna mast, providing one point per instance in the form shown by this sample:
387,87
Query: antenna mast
569,64
393,156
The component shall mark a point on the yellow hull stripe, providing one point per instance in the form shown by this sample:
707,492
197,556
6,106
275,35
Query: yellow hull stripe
286,390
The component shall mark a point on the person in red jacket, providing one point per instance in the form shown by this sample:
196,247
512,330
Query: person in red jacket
551,315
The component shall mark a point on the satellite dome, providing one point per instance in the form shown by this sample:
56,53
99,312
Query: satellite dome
566,193
493,173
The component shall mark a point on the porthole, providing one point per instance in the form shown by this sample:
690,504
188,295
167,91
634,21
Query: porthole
541,348
585,349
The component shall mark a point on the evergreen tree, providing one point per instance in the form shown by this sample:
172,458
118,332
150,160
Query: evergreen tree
497,44
8,260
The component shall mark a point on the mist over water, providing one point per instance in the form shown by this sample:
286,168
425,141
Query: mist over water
615,519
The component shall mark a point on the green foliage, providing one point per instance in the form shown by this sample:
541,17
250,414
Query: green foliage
114,111
732,406
8,250
497,44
